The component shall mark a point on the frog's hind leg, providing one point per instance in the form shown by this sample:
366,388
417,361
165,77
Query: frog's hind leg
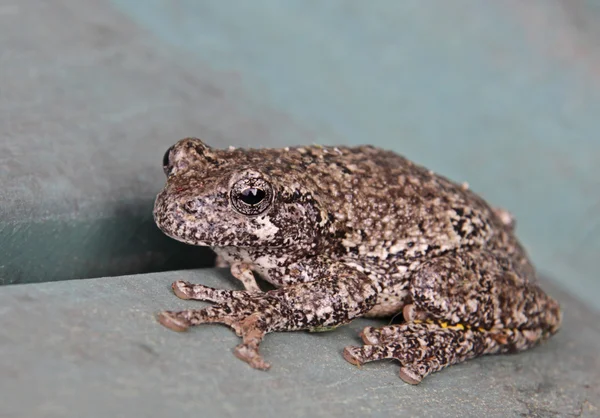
421,348
473,304
483,290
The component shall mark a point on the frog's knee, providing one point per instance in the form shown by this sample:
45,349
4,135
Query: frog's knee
434,279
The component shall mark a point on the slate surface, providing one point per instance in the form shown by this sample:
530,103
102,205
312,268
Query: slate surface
91,348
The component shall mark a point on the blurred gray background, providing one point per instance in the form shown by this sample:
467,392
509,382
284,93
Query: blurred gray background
503,95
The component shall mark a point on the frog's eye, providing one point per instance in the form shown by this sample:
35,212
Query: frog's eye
166,161
251,196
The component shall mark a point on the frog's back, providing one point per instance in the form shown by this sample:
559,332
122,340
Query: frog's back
386,208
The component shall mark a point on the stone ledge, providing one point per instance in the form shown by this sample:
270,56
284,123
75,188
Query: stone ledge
92,348
89,104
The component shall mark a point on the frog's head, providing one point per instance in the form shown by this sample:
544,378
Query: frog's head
235,198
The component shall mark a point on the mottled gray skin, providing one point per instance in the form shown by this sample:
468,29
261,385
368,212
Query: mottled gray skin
349,232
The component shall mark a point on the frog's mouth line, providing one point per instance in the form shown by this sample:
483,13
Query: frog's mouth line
187,241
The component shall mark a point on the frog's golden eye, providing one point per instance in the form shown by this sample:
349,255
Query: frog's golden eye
251,196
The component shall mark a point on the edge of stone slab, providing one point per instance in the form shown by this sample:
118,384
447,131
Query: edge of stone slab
126,362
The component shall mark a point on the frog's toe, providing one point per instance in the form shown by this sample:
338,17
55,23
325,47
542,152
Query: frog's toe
182,289
250,355
186,290
370,335
361,355
411,374
172,321
353,355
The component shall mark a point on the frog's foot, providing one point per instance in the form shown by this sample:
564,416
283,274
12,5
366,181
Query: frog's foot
239,310
330,301
421,348
249,329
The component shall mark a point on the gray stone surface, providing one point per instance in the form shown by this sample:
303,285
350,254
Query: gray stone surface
91,348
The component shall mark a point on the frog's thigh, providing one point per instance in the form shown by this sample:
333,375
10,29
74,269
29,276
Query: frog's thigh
482,290
455,288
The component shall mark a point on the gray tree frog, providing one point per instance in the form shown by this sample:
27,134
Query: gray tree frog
349,232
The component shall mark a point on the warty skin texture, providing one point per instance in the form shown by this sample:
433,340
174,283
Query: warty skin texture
348,232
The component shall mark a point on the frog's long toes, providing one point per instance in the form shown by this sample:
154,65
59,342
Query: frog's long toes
251,356
172,321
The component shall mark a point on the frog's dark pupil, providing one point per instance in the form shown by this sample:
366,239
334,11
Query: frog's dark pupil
252,196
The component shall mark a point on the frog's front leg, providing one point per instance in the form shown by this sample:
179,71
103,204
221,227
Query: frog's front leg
464,306
338,296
